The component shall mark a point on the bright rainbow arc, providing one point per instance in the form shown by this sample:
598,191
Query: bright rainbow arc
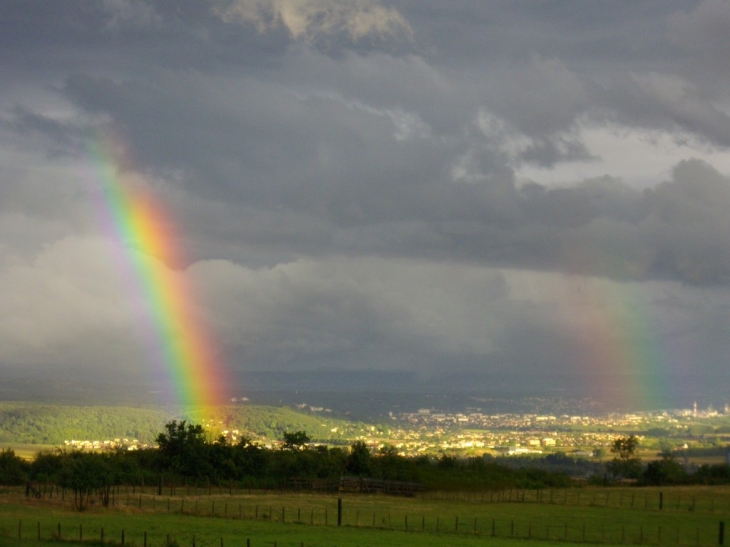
146,244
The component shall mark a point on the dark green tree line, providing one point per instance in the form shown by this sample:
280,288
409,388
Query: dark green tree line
187,455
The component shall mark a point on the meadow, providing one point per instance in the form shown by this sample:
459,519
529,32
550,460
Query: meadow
606,516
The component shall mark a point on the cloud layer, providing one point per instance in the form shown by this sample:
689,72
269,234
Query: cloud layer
381,185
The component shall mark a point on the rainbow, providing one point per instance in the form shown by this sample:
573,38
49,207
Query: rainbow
616,347
150,258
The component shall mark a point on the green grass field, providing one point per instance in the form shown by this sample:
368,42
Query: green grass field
612,516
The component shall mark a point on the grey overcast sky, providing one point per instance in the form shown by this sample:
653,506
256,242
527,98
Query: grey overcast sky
533,187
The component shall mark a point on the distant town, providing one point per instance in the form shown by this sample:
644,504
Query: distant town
472,431
429,431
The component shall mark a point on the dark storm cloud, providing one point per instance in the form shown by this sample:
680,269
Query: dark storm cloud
700,34
367,183
375,194
664,102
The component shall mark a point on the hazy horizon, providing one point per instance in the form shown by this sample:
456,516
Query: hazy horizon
215,195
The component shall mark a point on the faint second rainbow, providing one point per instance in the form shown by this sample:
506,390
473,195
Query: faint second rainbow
616,340
149,251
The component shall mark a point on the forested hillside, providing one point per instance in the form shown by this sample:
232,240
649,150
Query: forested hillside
34,423
271,422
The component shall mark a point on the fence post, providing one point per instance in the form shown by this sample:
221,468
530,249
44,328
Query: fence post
721,534
339,511
20,527
661,500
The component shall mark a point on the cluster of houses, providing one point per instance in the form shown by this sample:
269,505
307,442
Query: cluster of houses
109,444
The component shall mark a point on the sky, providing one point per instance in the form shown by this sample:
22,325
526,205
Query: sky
534,188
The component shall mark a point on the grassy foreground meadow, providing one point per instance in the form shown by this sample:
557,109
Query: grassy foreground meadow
606,516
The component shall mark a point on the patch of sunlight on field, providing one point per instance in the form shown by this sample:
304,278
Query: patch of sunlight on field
27,451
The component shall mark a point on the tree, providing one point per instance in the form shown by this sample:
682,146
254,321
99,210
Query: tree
389,465
625,464
358,460
447,461
295,441
46,465
625,447
664,471
13,469
85,473
183,449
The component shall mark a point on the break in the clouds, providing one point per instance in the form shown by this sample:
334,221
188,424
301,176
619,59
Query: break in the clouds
425,186
319,21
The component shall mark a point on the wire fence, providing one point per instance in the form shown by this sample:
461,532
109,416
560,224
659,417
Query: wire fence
631,498
537,529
